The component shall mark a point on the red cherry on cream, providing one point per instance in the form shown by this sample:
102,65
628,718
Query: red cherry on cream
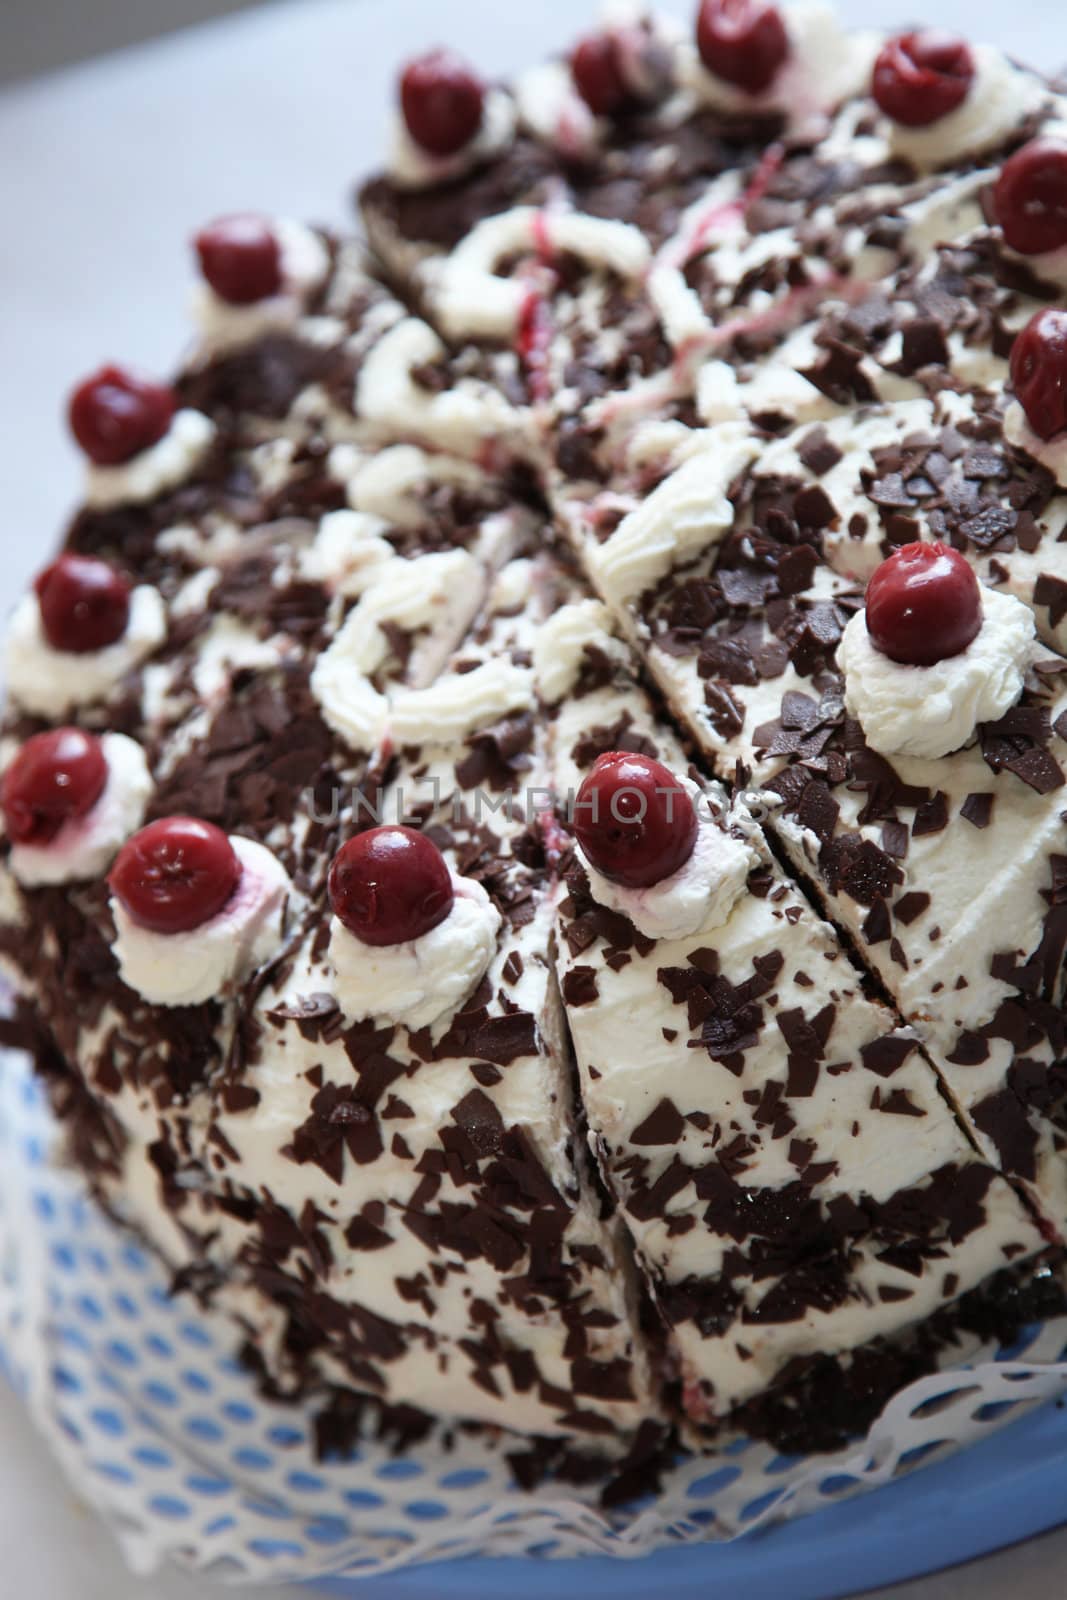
920,77
744,42
85,604
923,605
597,74
116,414
443,102
634,820
175,875
1030,198
1039,372
390,885
55,777
240,258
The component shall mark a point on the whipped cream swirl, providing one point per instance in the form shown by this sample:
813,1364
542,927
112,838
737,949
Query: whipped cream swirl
473,301
169,462
85,846
184,969
928,712
421,981
560,646
1000,98
827,64
52,682
700,895
305,265
412,167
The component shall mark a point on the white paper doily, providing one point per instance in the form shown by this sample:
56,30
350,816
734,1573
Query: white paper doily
166,1437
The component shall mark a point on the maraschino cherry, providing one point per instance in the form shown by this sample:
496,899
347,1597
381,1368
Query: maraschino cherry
1039,372
240,258
390,885
1030,198
175,875
443,102
634,820
598,76
55,777
923,605
85,604
920,77
116,414
744,42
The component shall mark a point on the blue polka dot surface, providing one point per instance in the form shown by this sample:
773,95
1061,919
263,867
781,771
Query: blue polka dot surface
164,1434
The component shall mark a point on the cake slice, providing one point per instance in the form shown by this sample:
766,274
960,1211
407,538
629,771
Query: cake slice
795,1184
745,642
390,1192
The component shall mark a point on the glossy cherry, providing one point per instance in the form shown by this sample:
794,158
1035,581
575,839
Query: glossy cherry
55,777
175,875
1030,198
84,603
240,258
390,885
598,76
634,820
923,605
443,102
744,42
116,414
920,77
1039,372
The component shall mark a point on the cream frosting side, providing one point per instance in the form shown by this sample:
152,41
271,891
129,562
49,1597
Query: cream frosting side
680,519
423,980
51,682
470,298
1051,453
181,969
930,711
163,466
85,846
305,264
561,642
412,167
700,895
1001,96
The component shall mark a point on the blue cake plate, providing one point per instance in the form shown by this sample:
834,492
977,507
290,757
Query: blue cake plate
1009,1487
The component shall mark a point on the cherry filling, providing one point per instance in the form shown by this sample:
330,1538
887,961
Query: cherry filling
241,259
115,414
55,777
84,603
1030,198
443,102
175,875
920,77
634,820
390,885
598,76
744,42
1039,372
923,605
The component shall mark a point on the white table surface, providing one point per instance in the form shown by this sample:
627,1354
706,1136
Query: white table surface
104,172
